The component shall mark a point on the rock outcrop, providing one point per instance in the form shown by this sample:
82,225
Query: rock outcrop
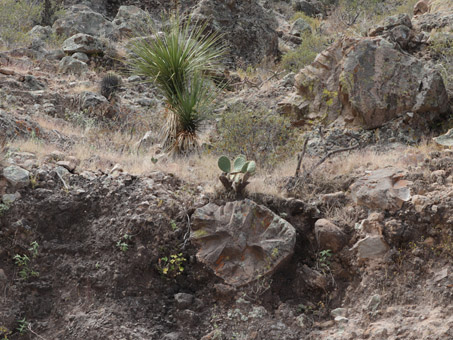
368,82
249,31
241,241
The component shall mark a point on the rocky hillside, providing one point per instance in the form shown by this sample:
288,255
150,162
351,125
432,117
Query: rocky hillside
344,230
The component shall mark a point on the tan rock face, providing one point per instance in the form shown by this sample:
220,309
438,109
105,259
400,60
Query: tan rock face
241,240
383,189
329,236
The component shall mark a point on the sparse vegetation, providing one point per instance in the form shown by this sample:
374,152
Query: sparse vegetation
305,54
17,18
24,262
257,134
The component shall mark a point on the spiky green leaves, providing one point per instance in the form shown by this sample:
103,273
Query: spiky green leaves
179,60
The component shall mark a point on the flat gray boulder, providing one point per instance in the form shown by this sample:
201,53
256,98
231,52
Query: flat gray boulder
241,241
83,43
82,19
70,65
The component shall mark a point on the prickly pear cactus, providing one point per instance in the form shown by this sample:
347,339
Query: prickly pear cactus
236,177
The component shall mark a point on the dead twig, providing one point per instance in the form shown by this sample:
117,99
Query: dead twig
300,157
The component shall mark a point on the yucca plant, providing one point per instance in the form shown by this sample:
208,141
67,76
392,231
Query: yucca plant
179,60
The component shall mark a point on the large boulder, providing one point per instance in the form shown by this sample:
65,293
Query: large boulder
249,31
368,82
82,19
83,43
241,240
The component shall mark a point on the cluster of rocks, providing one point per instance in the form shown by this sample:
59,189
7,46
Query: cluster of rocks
370,81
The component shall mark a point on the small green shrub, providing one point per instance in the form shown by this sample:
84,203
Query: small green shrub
257,134
17,17
23,262
305,54
171,266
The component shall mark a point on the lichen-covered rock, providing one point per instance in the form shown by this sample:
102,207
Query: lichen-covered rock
83,43
82,19
130,21
16,176
383,189
241,240
70,65
368,82
249,31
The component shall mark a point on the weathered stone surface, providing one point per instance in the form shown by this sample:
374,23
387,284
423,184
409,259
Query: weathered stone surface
241,240
421,7
383,189
84,43
300,27
367,82
184,300
248,29
69,65
82,19
91,100
446,139
372,246
310,8
81,56
16,176
129,21
329,236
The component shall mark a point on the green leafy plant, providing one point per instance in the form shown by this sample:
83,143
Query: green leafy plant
3,208
4,332
173,225
235,176
323,262
122,242
171,266
179,61
23,262
23,326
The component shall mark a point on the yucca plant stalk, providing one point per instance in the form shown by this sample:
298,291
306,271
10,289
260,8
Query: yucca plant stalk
178,61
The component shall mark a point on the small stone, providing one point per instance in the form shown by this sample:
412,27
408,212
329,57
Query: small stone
341,320
183,300
10,198
372,246
374,303
329,236
338,312
3,277
17,176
